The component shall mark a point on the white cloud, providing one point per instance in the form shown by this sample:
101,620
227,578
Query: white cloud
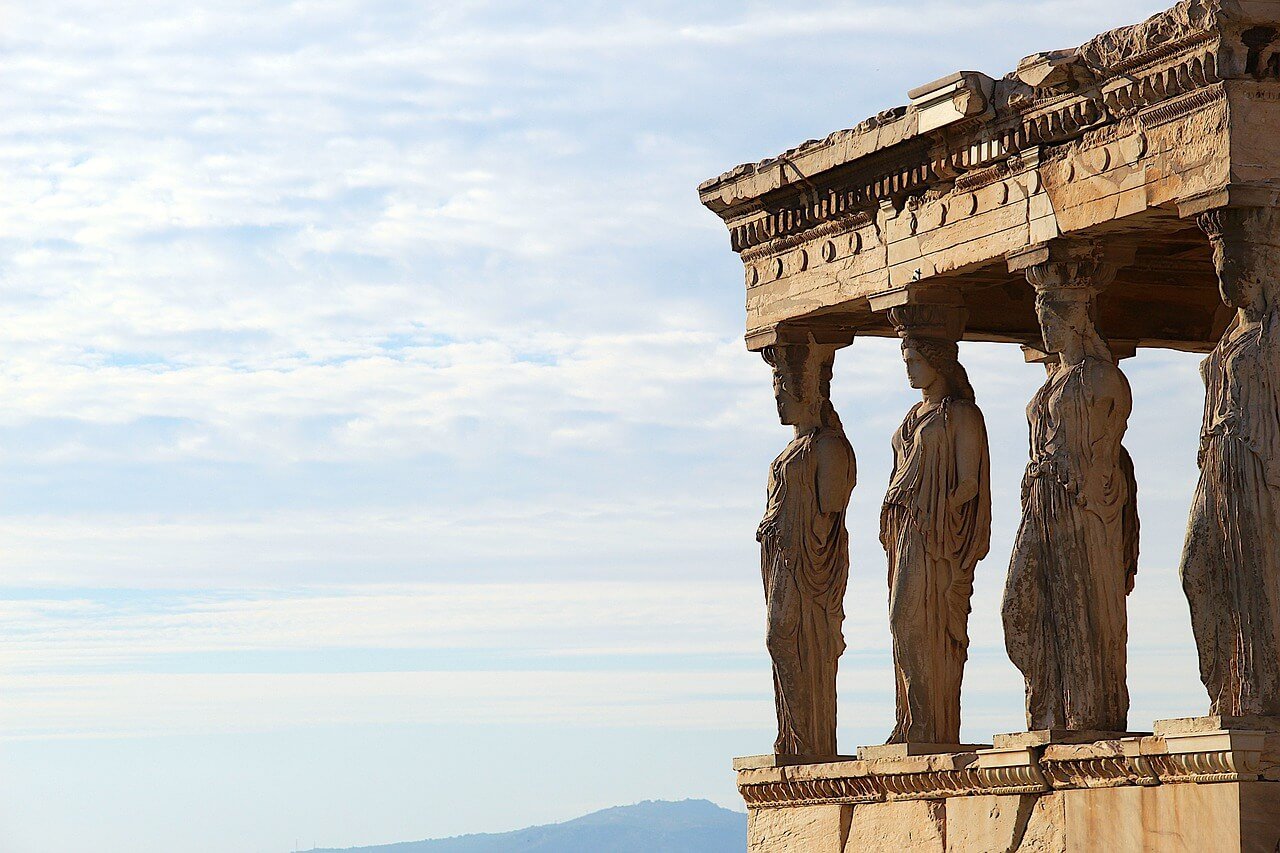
254,199
150,705
538,619
580,653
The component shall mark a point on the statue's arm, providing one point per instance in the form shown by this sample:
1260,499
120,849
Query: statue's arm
837,474
1114,404
971,447
1110,405
1264,412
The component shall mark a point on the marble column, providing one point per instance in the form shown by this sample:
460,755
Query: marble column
1075,555
935,525
804,550
1231,560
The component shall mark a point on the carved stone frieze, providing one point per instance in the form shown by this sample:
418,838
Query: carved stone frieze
1176,108
1181,68
1169,114
1106,764
870,783
1121,49
836,225
1112,772
1203,758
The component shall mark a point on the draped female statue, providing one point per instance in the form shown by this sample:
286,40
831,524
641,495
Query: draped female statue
1075,554
1231,560
935,526
804,551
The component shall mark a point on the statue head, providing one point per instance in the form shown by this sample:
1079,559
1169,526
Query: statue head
930,351
1066,302
1063,323
920,372
802,384
933,360
1243,256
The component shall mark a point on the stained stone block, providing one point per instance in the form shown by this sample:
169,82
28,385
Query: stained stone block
1045,832
813,829
1012,823
983,824
916,825
1225,817
1259,817
954,98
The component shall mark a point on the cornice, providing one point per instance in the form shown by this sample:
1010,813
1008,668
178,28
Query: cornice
1201,758
979,151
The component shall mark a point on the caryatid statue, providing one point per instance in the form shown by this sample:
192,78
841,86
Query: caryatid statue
1231,561
1075,555
935,525
804,550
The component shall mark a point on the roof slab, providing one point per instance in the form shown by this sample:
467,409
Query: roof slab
1119,142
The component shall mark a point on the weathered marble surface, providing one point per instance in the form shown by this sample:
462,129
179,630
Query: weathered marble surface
1204,790
804,551
815,829
917,825
1231,562
1010,823
1122,138
1075,555
935,526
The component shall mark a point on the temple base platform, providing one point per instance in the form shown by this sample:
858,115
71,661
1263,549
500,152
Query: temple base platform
1196,785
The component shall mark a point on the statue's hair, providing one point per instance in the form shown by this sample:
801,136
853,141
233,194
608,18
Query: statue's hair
1252,231
805,371
1080,314
943,356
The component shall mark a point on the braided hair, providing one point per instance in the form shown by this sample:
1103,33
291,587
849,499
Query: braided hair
805,371
943,356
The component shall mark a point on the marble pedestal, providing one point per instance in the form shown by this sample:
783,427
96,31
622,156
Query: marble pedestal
1199,787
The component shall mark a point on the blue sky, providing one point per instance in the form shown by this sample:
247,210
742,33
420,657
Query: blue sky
379,455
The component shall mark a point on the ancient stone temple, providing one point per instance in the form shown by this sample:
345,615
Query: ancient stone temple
1122,194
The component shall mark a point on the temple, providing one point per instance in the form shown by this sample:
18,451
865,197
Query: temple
1122,194
1122,141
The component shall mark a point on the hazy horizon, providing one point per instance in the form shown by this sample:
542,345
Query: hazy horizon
686,826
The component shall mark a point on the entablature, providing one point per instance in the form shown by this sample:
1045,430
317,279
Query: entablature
1116,137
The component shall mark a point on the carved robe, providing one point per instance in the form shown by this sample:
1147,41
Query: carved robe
933,548
1231,561
1075,553
804,558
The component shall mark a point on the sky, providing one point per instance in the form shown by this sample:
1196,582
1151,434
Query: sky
379,455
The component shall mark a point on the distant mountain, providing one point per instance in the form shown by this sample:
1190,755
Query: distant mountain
689,826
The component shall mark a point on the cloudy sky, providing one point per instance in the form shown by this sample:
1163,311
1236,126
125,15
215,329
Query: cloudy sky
379,455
